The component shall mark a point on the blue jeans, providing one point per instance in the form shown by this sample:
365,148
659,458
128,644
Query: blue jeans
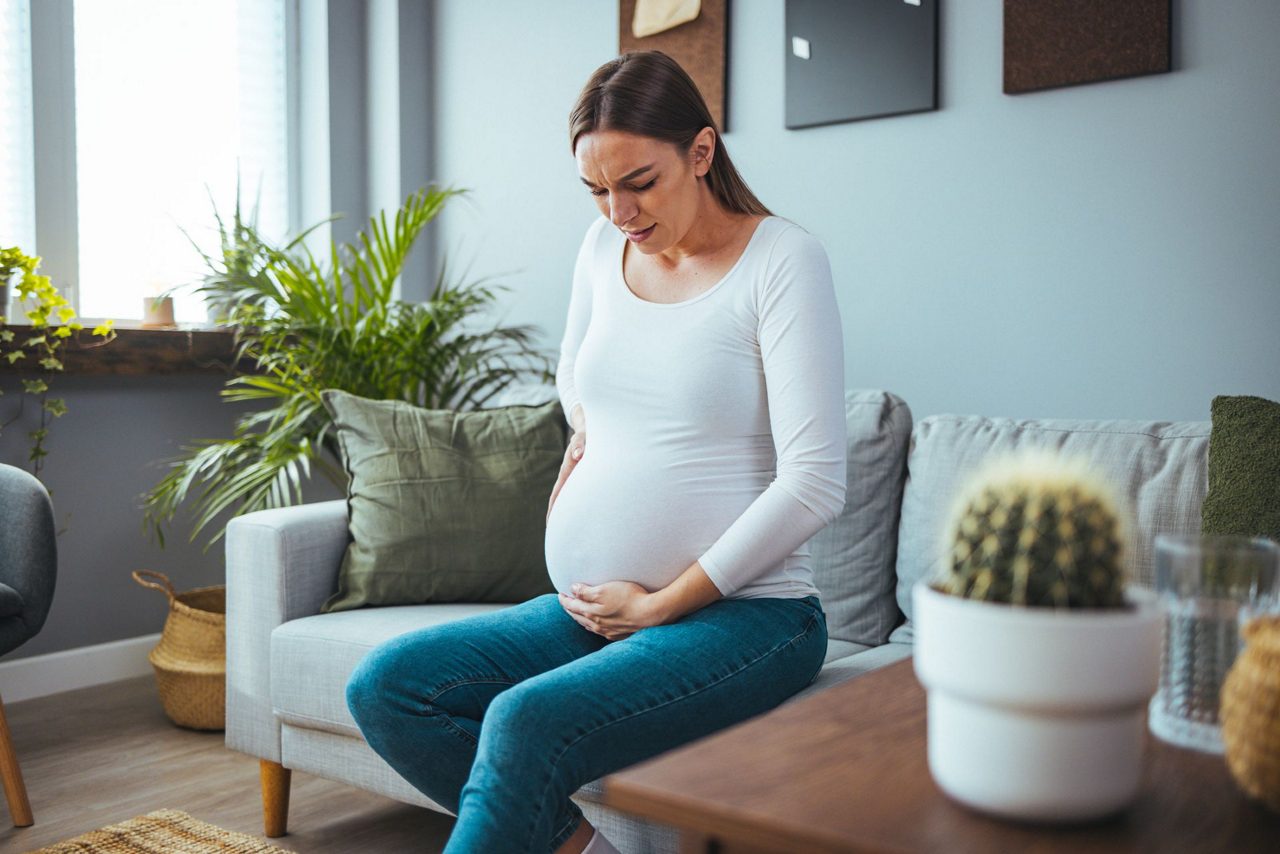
562,706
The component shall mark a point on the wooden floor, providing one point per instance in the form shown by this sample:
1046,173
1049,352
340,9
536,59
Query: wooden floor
101,755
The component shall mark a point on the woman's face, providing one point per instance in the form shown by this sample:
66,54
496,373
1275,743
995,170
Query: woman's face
646,187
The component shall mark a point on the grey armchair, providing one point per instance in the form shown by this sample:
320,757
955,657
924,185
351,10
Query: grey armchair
28,571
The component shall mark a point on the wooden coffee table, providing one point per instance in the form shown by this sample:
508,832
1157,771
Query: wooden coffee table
845,770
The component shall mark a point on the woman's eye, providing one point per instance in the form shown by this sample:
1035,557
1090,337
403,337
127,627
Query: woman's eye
600,191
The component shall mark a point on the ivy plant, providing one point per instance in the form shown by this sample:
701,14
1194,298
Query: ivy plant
38,346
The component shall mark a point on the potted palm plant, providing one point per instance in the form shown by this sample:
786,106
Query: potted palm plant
310,324
1037,660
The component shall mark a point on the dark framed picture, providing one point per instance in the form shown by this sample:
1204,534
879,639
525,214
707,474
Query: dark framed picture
848,60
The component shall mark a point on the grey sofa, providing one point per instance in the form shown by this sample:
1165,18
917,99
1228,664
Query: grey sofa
287,664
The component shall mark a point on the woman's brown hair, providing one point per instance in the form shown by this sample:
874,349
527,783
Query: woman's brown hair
647,93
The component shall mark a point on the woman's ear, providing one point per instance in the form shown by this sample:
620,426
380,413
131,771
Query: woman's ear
702,150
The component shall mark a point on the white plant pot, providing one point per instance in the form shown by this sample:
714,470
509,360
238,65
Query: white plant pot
15,309
157,312
1037,714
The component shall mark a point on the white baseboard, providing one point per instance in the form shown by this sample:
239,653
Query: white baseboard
69,669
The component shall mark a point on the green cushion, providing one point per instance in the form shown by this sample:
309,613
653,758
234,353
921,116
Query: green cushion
1244,468
444,506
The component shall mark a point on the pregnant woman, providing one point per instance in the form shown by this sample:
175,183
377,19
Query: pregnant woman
703,355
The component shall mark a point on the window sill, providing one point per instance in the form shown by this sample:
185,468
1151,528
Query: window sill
138,351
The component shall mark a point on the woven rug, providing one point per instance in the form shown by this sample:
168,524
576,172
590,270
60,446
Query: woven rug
163,832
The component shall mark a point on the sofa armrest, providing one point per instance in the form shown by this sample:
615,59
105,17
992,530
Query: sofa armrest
281,565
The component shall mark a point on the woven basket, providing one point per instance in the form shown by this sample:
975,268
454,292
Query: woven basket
191,659
1251,712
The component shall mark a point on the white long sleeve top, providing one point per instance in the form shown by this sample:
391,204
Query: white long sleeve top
715,426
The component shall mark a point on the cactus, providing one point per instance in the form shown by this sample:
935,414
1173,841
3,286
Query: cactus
1039,531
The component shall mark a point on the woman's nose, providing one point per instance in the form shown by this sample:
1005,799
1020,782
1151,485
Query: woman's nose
621,210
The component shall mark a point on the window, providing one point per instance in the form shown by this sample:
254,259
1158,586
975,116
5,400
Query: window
172,101
17,189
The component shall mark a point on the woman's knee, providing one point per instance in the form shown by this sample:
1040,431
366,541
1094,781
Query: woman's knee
362,685
524,712
372,685
508,707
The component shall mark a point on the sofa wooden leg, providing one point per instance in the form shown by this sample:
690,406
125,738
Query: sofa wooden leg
275,797
15,791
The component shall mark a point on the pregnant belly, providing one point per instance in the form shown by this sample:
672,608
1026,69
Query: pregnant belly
645,524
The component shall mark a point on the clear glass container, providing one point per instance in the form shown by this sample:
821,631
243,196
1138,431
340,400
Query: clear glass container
1208,585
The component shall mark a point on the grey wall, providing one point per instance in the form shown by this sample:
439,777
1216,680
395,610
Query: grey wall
1101,251
103,455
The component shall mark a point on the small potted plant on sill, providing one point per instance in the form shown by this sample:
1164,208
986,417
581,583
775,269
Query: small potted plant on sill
1038,662
11,261
157,311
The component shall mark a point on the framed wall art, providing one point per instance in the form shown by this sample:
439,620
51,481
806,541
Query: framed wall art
848,60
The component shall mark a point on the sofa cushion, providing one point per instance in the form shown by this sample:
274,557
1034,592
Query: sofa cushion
1244,468
1157,470
445,506
313,657
844,668
841,649
854,556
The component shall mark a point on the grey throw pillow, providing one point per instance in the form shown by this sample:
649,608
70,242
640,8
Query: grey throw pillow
1155,468
854,556
444,506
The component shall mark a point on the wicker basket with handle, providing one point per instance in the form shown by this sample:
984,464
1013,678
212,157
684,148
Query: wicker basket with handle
190,661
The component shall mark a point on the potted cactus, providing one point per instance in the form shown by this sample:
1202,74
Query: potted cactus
1037,658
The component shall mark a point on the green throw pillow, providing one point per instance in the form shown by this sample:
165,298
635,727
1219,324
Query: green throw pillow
444,506
1244,468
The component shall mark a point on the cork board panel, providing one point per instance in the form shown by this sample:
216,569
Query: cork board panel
700,47
1051,43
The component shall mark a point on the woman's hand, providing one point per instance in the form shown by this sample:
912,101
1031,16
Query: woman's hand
612,610
572,456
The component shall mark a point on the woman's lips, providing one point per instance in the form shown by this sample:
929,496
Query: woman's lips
641,236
